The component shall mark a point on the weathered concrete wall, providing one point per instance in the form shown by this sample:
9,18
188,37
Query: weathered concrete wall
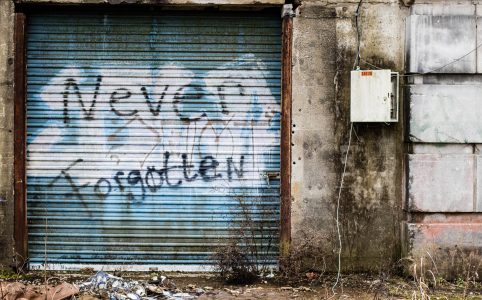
444,164
314,155
6,132
370,211
324,51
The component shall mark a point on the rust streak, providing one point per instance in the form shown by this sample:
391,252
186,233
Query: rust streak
20,215
286,81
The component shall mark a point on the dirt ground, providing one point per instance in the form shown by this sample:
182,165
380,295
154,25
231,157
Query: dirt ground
208,286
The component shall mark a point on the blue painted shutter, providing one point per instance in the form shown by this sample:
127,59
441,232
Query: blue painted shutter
148,137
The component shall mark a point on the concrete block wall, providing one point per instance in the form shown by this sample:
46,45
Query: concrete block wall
444,184
445,113
439,33
438,40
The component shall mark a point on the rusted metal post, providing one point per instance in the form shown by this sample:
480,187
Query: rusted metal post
286,82
20,214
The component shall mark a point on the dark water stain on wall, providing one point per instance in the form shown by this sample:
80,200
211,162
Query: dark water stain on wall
370,206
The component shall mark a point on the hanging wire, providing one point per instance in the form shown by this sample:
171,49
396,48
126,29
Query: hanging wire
356,65
338,230
433,70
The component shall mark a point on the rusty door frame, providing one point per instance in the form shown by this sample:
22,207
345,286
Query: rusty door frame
20,144
286,107
20,213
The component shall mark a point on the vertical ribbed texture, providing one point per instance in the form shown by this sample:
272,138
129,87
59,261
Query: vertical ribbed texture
151,139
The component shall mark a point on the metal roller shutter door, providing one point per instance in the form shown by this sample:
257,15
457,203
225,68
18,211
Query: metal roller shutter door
149,137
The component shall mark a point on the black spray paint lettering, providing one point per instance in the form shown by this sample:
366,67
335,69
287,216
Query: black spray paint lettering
222,101
133,179
153,179
70,84
196,93
66,175
102,190
121,94
76,189
185,168
116,95
232,166
118,180
157,110
222,95
166,170
207,165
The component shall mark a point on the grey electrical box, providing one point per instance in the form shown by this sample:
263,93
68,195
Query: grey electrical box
374,96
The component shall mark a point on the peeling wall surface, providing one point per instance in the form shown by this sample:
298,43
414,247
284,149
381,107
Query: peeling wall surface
409,185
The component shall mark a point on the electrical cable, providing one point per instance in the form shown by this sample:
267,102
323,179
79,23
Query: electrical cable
338,210
433,70
356,65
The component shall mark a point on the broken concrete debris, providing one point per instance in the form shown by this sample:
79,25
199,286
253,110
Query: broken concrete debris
102,286
115,287
108,286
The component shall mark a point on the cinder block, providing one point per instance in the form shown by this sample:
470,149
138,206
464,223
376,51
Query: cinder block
441,183
422,237
445,113
442,149
443,9
436,41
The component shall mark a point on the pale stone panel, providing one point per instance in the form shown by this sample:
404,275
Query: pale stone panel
441,183
437,41
445,113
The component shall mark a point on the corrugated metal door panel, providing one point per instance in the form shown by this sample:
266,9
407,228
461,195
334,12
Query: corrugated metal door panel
151,139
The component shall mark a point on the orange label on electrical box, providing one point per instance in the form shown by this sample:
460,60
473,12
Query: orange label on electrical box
366,73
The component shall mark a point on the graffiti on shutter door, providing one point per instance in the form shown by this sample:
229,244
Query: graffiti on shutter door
148,157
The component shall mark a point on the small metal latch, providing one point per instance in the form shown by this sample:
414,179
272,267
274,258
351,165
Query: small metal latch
268,176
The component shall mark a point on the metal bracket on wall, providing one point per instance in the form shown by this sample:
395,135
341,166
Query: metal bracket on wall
268,176
288,11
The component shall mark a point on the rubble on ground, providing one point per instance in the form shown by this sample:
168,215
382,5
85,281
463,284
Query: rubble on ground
102,286
107,286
